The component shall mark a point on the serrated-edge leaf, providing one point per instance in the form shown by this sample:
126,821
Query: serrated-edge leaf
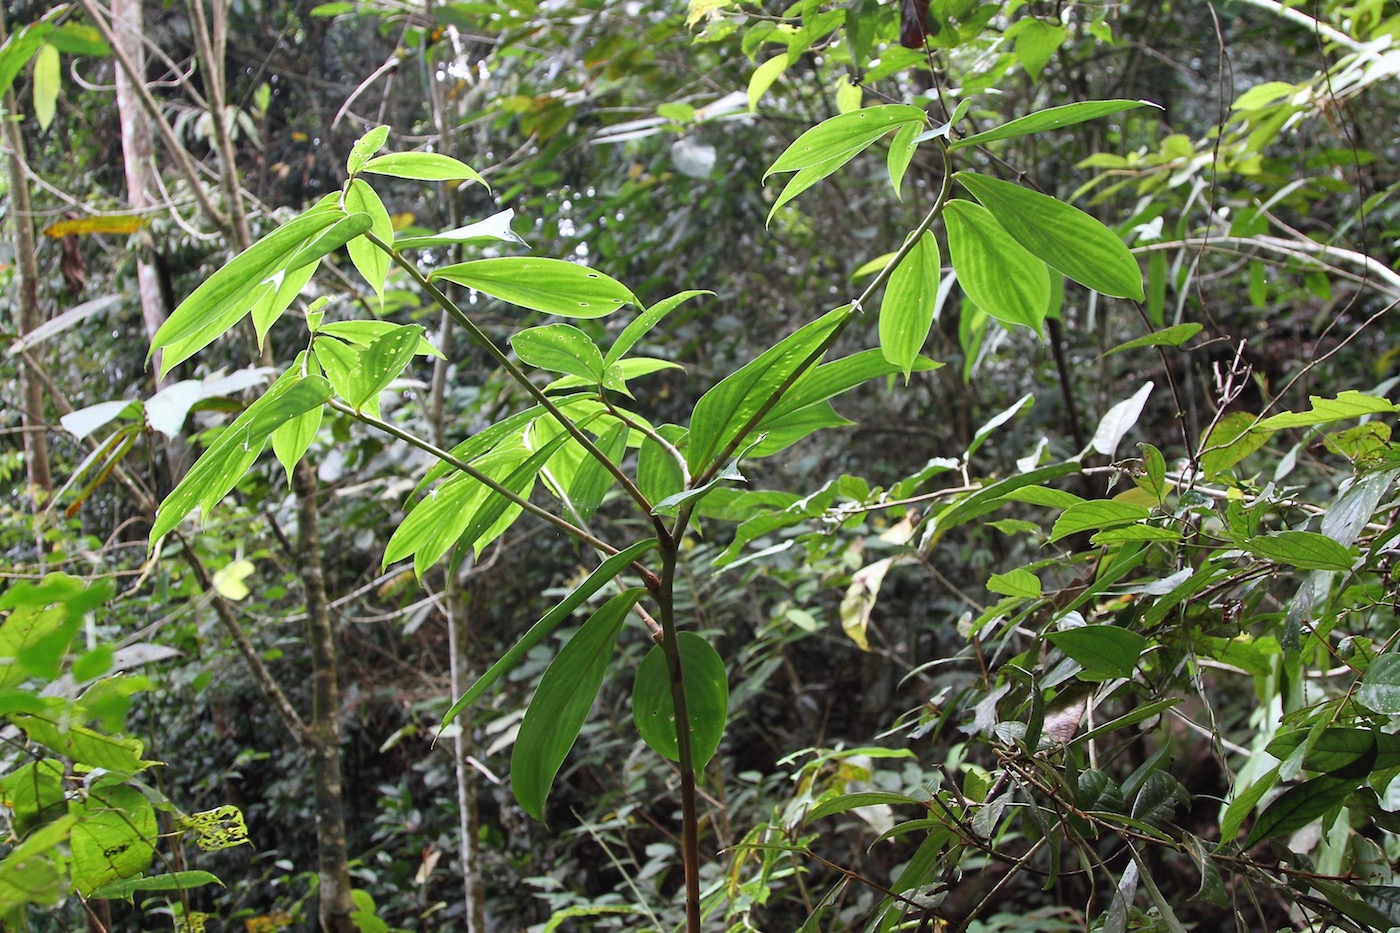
1000,276
600,577
562,701
1051,119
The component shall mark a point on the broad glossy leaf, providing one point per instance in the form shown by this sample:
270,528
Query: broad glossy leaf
844,136
1173,336
1305,550
560,348
114,837
223,298
366,146
1300,805
423,166
229,458
1380,688
599,578
1338,747
1062,236
1106,650
549,285
495,227
85,746
722,411
383,360
706,699
1096,515
1051,119
1020,582
561,703
995,271
906,312
370,260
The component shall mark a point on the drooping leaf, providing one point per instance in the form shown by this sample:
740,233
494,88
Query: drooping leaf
114,837
561,703
844,136
1305,550
370,260
902,150
46,84
276,295
763,77
593,479
1300,805
1096,515
1060,235
1051,119
549,285
423,166
1107,650
1118,420
706,699
228,459
1173,336
600,577
23,43
906,312
995,271
859,600
223,298
495,227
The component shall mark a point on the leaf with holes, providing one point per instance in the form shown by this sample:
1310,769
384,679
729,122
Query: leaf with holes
560,348
562,701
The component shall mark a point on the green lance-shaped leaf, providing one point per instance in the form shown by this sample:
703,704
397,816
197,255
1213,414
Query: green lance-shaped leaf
1106,650
114,837
1173,336
275,296
366,146
1347,405
223,298
291,441
1051,119
844,136
1300,805
906,313
46,83
227,461
995,271
341,232
22,45
170,881
601,576
1062,236
1096,515
723,411
371,261
1305,550
382,362
560,348
364,333
593,480
423,166
642,324
561,704
902,150
549,285
706,699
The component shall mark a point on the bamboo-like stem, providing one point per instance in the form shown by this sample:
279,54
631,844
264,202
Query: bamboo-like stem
518,374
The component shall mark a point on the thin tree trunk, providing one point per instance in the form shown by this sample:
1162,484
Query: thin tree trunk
27,317
324,727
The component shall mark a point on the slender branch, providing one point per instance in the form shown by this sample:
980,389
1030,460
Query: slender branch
649,578
518,374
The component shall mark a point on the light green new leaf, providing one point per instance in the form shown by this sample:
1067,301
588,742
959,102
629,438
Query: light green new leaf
549,285
231,456
1380,688
906,142
642,324
1096,515
370,260
560,348
831,379
1347,405
341,232
723,411
804,179
1051,119
599,578
423,166
114,837
1019,582
1062,236
46,83
1305,550
23,43
366,146
383,360
995,271
1105,650
223,298
275,296
844,136
364,333
706,700
561,703
1173,336
1233,438
28,874
498,513
906,312
79,39
592,481
763,77
339,361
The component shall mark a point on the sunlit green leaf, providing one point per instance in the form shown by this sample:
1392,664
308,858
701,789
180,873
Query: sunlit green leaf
371,261
423,166
1095,515
1051,119
114,837
366,146
995,271
46,84
906,312
1167,337
549,285
560,348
